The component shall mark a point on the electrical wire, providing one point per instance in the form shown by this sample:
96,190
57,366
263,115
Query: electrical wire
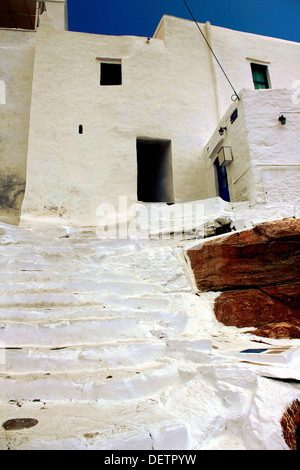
235,96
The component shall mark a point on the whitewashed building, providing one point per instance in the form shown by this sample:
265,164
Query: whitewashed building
104,344
87,118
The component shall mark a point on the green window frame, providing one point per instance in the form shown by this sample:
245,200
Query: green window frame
260,76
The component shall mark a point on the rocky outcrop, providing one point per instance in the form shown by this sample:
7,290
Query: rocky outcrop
290,424
290,330
257,272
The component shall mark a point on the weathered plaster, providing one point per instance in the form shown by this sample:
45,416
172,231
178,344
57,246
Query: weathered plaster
55,16
16,64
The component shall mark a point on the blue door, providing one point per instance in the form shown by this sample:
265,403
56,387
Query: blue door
222,181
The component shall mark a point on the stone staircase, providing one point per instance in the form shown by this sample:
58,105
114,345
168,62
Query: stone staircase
100,339
84,321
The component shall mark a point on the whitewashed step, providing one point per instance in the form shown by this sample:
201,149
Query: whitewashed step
79,286
124,383
32,265
93,357
61,255
59,248
82,357
91,263
56,315
48,300
47,240
65,333
140,424
103,275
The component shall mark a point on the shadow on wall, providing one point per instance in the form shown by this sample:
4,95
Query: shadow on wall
12,189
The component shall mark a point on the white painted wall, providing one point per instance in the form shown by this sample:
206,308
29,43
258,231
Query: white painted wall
16,68
17,55
239,172
172,89
55,16
274,148
266,154
236,50
157,99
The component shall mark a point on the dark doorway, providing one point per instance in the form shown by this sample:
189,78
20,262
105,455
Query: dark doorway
155,175
222,181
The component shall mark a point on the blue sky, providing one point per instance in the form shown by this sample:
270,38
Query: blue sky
275,18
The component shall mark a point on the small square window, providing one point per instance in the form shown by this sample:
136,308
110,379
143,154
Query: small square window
110,73
260,76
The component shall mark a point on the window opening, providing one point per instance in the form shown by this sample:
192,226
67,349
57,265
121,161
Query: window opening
111,73
80,129
260,76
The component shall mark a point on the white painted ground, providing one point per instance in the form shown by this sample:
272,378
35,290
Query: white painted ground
108,347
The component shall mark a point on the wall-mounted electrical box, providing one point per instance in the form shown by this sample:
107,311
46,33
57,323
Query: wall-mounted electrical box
225,156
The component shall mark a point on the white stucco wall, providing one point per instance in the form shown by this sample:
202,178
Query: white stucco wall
55,16
17,55
239,172
172,89
266,154
157,99
16,71
274,148
236,50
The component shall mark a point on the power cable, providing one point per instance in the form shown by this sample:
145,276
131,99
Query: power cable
235,93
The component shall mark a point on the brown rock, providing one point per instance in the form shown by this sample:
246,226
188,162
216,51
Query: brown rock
279,330
267,254
253,307
257,272
290,423
286,294
19,423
